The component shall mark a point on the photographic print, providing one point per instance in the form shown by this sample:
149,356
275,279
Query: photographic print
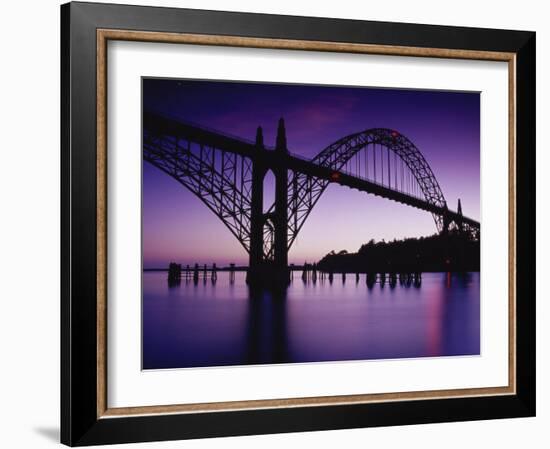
295,223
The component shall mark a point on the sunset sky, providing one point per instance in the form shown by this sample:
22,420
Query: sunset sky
445,126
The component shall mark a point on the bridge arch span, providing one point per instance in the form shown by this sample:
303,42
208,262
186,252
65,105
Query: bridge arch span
343,150
400,163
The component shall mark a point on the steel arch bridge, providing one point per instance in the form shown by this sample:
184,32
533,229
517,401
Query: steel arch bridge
227,174
351,154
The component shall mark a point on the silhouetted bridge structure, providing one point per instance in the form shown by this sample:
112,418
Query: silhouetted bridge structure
227,173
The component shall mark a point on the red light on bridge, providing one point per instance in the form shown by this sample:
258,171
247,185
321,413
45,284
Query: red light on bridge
334,176
394,133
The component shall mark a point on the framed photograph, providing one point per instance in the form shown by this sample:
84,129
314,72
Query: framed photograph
279,224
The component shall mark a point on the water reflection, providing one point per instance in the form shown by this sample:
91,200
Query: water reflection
219,323
266,324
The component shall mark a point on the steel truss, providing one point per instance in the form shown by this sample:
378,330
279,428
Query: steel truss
222,180
305,191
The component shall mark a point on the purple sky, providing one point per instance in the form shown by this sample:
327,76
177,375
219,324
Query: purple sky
444,126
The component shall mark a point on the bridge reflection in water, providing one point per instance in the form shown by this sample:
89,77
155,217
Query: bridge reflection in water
227,323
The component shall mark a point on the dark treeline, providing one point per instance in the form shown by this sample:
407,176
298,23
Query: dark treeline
451,252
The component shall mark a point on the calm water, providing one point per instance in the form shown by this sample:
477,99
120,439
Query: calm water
223,324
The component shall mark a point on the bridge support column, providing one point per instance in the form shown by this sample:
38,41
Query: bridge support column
281,209
446,222
459,221
261,272
256,259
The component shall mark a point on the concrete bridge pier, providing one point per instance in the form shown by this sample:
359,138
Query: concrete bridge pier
261,272
280,269
256,255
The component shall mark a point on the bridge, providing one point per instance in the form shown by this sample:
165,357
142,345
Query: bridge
227,173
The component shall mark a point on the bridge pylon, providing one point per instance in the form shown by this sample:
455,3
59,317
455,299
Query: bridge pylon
256,254
281,209
263,271
454,218
459,220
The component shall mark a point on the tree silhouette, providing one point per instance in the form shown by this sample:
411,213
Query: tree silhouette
454,251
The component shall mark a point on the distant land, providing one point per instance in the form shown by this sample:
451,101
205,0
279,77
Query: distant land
436,253
452,252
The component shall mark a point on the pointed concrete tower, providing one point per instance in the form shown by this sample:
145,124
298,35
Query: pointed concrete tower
281,208
281,136
459,211
260,137
256,214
